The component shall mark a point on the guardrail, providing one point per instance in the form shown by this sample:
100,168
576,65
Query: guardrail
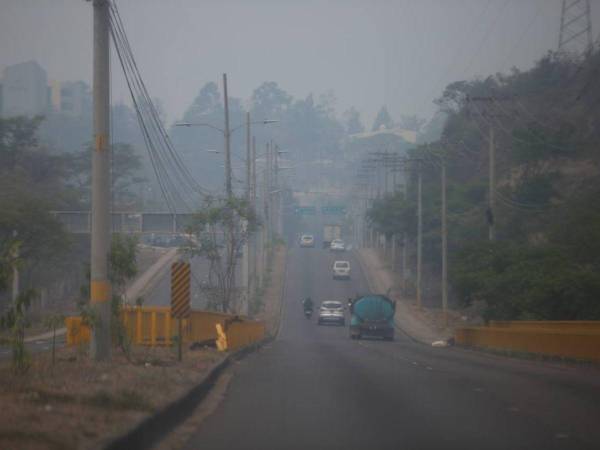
154,326
578,340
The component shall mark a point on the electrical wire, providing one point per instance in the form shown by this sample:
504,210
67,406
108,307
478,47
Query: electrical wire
168,166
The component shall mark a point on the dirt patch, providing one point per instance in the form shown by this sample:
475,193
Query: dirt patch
82,404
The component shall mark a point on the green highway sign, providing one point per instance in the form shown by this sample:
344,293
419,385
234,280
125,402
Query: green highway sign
306,210
333,210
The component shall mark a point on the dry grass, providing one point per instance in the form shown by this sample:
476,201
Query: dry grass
80,404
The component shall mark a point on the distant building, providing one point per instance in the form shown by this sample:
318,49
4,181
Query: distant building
407,135
25,90
70,97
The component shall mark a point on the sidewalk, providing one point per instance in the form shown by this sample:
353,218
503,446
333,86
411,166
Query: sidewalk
146,281
137,289
408,318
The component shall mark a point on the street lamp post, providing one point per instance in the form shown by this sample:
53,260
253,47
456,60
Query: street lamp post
227,132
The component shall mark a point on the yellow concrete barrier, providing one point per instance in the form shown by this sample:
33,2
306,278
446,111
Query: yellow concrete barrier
552,325
240,333
77,332
568,341
154,326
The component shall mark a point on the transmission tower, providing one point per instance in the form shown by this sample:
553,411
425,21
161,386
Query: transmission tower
575,26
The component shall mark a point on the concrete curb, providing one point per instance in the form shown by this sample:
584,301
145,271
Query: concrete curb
150,430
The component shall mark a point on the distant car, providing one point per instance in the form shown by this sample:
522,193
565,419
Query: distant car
341,270
307,240
337,245
331,312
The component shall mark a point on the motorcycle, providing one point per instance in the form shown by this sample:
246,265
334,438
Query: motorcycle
308,313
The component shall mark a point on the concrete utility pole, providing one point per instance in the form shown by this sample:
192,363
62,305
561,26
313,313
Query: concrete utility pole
277,200
254,277
404,261
228,189
419,231
15,274
248,258
100,287
248,160
269,188
492,186
444,246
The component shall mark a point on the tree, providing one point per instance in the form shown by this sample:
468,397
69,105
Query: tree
206,104
221,228
412,122
383,120
352,121
269,101
126,168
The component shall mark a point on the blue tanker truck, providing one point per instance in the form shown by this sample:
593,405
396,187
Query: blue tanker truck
372,315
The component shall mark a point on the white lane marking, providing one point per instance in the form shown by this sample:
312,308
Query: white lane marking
513,409
561,436
478,389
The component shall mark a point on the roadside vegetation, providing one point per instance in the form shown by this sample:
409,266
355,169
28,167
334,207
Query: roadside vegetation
545,261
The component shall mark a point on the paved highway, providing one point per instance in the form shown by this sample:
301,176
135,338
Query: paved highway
313,387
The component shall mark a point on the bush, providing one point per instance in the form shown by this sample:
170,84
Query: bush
521,281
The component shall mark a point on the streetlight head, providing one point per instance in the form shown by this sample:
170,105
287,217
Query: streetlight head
267,121
212,150
183,124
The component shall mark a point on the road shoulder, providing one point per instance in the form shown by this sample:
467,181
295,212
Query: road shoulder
408,318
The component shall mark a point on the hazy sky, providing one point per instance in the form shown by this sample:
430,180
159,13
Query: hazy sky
370,52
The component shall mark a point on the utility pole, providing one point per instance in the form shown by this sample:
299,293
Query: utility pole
248,160
269,188
228,189
419,231
255,235
100,287
492,186
277,200
404,261
15,272
444,245
247,261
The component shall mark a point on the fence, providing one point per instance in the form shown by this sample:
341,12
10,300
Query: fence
154,326
567,339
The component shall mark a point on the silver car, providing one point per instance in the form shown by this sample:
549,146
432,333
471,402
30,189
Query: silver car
332,312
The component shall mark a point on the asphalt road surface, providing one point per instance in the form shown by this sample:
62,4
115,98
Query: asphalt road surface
314,388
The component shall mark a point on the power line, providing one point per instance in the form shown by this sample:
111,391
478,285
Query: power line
169,169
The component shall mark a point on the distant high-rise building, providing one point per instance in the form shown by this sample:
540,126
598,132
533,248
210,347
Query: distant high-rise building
70,97
25,90
75,97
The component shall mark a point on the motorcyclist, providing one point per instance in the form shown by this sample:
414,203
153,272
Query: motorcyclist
307,304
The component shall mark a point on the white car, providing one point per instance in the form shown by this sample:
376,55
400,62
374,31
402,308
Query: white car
337,245
307,240
331,312
341,270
